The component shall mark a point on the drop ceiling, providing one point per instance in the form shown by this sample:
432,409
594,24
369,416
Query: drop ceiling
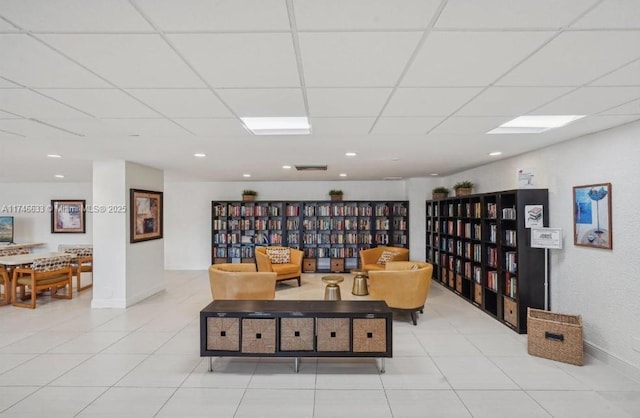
411,86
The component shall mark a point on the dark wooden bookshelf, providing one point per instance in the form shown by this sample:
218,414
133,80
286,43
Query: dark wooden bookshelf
481,250
331,233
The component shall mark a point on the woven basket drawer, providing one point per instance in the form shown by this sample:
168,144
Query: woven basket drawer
223,334
477,294
555,336
334,334
296,334
369,335
510,311
258,335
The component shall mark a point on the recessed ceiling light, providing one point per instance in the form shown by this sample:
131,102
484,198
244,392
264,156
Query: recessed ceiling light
277,125
534,124
200,155
54,156
286,167
59,176
343,174
434,174
495,154
350,154
246,175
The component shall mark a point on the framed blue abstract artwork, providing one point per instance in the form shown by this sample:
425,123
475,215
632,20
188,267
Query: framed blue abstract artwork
592,216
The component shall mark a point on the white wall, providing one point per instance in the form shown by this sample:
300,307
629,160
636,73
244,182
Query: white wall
188,210
601,285
36,227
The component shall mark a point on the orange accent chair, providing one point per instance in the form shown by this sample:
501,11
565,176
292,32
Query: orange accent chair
370,258
404,285
285,271
240,281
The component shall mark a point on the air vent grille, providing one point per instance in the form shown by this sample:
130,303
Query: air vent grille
311,167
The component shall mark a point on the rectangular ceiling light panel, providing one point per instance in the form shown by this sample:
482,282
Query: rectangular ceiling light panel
277,125
534,124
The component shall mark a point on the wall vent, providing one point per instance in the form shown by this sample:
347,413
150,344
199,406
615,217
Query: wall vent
311,167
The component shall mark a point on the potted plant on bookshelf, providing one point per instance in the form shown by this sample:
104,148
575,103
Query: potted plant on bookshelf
463,188
336,194
249,195
439,193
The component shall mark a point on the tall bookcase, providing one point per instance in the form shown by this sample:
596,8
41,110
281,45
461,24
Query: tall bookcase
331,233
481,249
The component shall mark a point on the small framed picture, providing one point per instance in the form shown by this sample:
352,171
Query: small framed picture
592,216
146,215
68,217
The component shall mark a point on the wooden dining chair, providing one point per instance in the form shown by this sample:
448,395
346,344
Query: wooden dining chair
5,282
44,273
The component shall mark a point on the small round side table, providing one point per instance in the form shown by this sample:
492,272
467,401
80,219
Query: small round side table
332,291
360,287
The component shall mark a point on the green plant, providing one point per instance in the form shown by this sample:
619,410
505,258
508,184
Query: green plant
441,190
248,192
335,193
463,185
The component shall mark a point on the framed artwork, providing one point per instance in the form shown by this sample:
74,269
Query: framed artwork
68,216
592,216
146,215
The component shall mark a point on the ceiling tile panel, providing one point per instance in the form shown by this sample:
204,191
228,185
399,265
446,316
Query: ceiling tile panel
29,104
576,58
589,100
405,126
264,102
147,127
366,59
183,103
470,58
631,108
428,101
241,60
619,14
510,101
220,15
506,14
363,14
74,15
30,63
629,75
32,129
341,126
128,60
216,128
346,102
93,129
468,125
101,103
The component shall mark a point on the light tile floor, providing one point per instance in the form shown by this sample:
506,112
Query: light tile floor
65,359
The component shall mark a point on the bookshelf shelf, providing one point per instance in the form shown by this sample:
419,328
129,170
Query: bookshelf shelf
480,249
331,233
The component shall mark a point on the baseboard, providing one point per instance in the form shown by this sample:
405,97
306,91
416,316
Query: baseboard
619,365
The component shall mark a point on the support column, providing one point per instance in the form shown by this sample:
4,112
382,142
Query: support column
123,273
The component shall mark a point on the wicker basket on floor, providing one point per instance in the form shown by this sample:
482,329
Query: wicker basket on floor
555,336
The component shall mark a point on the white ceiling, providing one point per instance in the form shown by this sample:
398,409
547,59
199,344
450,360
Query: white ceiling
410,85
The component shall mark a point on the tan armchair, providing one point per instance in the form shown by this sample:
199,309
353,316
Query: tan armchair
401,286
44,273
369,258
285,271
240,281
